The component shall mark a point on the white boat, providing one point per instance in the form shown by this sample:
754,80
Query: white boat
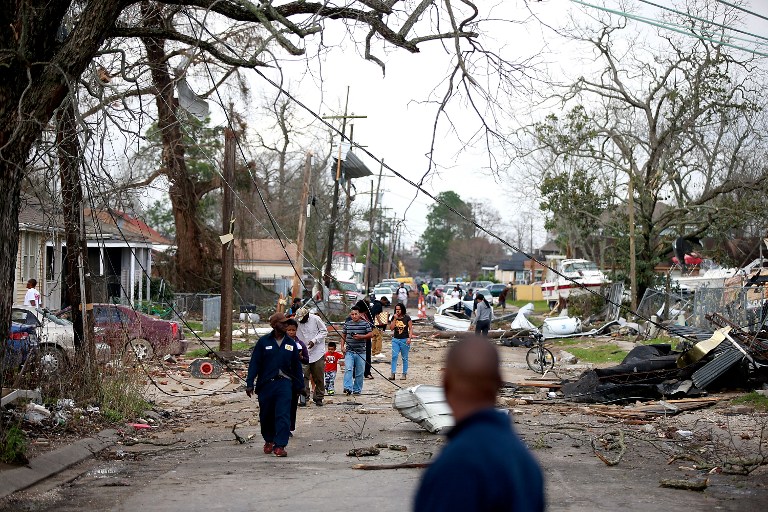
577,276
448,319
711,278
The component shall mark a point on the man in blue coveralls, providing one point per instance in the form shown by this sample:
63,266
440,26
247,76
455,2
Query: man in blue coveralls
276,367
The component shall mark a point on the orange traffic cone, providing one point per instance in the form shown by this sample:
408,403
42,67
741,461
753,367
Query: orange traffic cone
422,308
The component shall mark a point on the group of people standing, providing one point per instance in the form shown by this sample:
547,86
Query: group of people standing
484,466
292,364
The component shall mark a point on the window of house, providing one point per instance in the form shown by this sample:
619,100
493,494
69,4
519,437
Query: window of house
29,256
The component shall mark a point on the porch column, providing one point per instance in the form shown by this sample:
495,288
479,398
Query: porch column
132,278
148,266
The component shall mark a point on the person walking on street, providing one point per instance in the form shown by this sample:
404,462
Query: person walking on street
276,368
380,320
402,328
483,315
484,466
313,332
503,298
356,331
367,315
402,294
332,360
297,398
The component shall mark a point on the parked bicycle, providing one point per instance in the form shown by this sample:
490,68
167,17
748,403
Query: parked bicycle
539,357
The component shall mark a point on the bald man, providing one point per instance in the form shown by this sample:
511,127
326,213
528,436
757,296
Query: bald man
484,466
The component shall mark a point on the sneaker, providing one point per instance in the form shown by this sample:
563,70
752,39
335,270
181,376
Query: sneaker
357,392
369,377
268,447
392,377
347,391
404,377
330,392
280,452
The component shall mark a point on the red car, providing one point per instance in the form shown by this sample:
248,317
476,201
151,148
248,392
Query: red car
120,326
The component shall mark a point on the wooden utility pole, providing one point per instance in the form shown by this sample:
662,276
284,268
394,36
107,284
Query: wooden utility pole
227,246
632,262
393,242
371,221
335,204
303,204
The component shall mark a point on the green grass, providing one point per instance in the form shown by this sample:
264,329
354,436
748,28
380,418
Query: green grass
194,325
202,352
13,445
753,399
600,354
539,306
121,395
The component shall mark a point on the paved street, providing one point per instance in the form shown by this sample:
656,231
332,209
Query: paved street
207,470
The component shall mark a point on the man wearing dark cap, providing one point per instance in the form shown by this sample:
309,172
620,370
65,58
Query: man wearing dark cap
276,367
484,466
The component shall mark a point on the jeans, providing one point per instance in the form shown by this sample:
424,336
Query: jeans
330,381
482,326
354,366
275,403
400,347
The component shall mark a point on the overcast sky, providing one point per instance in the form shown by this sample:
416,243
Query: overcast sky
401,105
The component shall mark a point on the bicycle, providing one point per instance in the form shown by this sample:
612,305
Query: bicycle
539,357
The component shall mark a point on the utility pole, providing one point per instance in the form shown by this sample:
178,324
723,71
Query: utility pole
303,208
347,205
393,241
227,246
335,204
371,219
632,262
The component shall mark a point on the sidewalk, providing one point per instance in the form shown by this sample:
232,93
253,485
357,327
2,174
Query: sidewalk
51,463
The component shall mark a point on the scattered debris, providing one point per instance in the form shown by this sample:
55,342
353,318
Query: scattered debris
426,406
205,369
405,465
688,485
363,452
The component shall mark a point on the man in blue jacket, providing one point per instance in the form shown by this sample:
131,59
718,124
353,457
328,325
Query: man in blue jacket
484,466
276,367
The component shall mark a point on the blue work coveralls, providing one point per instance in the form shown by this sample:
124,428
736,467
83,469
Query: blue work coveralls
277,371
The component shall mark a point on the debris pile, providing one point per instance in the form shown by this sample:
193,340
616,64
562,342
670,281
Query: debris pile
729,358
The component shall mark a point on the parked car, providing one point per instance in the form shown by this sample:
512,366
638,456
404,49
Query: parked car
496,289
382,291
54,337
344,291
121,327
20,342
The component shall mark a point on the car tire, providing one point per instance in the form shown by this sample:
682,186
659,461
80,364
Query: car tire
51,360
139,349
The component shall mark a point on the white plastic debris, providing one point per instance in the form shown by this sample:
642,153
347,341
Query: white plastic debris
36,413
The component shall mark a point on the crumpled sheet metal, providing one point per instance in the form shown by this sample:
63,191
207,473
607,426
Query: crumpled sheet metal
425,405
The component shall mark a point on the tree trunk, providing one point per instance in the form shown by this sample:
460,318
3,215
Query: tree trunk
195,260
76,259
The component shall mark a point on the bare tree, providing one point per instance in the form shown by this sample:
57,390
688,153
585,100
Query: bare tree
676,118
46,49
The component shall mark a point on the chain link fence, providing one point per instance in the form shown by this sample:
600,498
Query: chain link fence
746,307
